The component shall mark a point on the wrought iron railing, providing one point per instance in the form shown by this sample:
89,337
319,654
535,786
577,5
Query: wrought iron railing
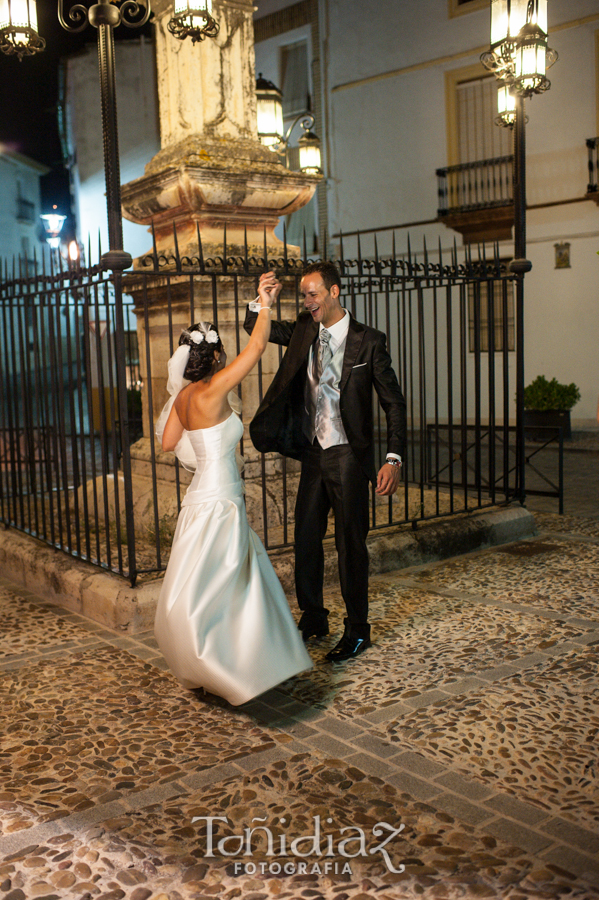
484,184
593,148
62,467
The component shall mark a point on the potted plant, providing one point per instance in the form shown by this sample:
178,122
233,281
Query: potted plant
548,404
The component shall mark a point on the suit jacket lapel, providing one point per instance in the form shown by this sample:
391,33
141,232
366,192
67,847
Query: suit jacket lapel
297,355
355,336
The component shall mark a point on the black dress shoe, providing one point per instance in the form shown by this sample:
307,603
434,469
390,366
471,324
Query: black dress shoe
316,631
348,647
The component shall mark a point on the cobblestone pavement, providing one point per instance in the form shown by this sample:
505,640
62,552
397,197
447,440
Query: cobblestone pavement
472,721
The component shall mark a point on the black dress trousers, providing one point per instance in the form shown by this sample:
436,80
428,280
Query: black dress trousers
332,478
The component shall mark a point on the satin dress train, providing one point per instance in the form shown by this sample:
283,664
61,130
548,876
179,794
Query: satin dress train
223,622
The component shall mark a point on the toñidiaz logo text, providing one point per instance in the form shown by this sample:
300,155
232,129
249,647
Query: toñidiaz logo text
305,854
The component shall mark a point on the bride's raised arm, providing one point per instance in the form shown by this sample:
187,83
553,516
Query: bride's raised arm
228,378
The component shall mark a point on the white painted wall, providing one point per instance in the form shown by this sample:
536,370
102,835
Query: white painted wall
384,67
20,177
139,141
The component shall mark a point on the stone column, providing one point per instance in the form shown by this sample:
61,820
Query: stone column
211,169
210,172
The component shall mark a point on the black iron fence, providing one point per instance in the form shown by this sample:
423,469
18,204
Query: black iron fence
593,148
64,475
475,185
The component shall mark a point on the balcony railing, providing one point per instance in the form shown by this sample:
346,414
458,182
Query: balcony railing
484,184
593,148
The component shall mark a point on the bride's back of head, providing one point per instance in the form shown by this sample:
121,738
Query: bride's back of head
203,340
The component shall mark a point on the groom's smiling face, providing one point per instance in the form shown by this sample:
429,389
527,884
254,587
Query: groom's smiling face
323,305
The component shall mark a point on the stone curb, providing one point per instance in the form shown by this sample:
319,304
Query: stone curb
78,586
109,600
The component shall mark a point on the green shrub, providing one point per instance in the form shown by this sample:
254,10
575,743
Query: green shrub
542,394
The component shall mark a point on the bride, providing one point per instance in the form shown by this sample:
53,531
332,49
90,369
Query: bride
222,622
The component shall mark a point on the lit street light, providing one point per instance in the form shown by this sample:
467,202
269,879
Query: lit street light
519,57
53,223
269,107
18,28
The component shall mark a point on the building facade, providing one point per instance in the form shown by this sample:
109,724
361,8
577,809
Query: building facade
399,92
21,231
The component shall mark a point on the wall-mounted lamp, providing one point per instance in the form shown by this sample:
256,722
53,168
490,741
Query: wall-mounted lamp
269,103
309,152
269,107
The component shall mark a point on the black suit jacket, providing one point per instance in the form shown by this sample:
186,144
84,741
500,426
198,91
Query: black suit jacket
278,424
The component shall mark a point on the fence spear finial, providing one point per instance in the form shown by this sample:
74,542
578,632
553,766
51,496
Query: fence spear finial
154,247
200,249
265,260
176,241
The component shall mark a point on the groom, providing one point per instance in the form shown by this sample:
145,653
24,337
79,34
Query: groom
319,409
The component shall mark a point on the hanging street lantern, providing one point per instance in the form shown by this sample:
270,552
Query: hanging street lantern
530,61
518,54
194,19
309,154
506,107
53,223
18,28
269,105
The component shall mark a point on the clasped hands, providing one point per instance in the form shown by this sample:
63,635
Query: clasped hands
269,289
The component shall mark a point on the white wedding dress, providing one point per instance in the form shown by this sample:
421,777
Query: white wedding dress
223,622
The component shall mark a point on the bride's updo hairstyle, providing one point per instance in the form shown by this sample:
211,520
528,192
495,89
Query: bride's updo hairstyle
202,340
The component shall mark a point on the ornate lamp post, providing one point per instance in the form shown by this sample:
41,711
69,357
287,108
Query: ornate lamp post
519,57
18,34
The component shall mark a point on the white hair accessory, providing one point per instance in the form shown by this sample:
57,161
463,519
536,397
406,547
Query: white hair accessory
204,332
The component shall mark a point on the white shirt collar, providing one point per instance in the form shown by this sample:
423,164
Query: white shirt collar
338,331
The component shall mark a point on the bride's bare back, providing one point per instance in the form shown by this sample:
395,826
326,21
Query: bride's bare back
204,403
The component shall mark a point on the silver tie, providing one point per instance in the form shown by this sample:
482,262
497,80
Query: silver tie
324,353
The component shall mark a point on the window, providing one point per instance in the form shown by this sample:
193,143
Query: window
295,79
295,85
478,135
499,305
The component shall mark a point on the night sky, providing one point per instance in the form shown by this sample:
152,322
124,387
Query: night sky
28,99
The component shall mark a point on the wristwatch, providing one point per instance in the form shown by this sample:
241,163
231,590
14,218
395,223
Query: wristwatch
393,461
